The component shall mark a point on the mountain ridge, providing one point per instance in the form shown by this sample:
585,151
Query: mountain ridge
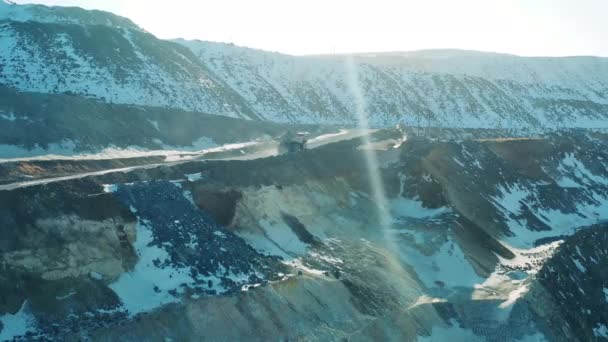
441,88
62,14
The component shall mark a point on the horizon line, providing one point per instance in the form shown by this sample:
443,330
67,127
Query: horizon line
387,53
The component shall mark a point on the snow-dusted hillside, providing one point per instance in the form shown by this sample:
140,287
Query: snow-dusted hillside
97,54
117,64
443,87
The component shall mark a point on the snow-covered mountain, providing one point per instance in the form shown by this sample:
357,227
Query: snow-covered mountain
98,54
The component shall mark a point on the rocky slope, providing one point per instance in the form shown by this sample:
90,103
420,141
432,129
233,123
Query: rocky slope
571,292
34,124
296,247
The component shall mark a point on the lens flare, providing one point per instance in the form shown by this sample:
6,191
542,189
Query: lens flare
371,159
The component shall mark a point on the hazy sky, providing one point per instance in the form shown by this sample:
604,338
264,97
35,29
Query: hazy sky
524,27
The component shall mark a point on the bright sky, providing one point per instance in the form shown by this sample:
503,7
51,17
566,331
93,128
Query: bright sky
523,27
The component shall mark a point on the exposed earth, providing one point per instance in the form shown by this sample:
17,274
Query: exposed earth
487,240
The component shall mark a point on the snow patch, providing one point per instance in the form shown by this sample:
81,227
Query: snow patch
405,207
580,266
9,117
154,124
299,264
510,203
584,177
188,195
110,187
193,177
459,162
66,296
531,259
326,258
514,295
16,325
96,275
601,331
148,286
447,266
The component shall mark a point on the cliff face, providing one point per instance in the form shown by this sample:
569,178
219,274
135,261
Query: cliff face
296,246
